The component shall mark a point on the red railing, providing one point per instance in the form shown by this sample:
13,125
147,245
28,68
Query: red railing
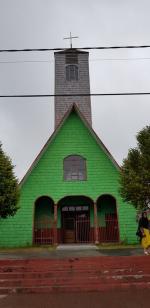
60,236
82,229
43,233
110,232
83,233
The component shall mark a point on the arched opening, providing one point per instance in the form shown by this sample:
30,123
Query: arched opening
76,219
72,72
43,221
107,219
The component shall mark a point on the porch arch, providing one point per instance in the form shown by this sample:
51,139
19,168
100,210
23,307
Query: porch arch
75,219
43,221
108,230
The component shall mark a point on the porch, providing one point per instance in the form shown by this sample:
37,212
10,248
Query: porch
75,220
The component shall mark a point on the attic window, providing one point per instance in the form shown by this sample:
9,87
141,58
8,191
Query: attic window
74,168
71,72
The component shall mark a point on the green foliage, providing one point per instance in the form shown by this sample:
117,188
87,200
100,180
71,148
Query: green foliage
135,173
9,190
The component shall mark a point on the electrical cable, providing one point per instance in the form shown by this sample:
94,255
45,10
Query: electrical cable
82,48
75,95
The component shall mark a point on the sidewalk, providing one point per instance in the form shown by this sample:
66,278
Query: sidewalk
70,252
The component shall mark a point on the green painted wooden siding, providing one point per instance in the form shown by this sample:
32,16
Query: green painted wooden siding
46,179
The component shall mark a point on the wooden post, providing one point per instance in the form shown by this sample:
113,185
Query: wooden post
95,224
55,224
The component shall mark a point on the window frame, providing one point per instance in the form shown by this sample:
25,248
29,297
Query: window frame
77,176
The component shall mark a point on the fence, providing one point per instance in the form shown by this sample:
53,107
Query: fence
109,232
43,233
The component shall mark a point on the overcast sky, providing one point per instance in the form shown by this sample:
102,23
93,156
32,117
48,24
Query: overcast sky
26,123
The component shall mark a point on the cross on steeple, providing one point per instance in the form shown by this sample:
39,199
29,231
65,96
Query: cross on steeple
70,38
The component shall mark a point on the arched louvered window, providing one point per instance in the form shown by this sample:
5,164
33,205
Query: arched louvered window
71,72
74,168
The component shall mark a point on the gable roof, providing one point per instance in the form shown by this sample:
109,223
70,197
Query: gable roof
72,108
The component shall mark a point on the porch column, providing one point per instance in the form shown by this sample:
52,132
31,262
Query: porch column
95,224
55,224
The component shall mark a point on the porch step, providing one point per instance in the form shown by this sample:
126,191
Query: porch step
71,275
77,247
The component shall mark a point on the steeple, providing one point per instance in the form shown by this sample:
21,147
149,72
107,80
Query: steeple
72,79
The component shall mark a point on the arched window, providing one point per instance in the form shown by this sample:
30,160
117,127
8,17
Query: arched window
74,168
71,72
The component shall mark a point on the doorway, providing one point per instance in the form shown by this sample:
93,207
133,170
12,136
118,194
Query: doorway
76,224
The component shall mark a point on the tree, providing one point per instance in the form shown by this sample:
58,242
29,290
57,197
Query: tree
135,172
9,189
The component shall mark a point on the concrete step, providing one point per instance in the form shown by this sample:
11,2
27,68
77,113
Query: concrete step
68,273
113,264
71,275
63,281
75,247
100,259
82,270
74,288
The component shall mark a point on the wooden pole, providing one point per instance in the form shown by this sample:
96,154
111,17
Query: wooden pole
95,224
55,224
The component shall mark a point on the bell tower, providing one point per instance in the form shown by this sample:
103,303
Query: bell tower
72,79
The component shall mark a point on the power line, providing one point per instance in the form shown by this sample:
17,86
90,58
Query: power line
75,95
65,49
118,59
25,61
91,60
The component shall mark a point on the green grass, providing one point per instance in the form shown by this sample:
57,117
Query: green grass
28,249
53,248
117,246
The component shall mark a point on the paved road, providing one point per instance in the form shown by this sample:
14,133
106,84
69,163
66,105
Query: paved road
131,298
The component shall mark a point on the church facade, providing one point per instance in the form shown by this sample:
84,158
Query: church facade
70,194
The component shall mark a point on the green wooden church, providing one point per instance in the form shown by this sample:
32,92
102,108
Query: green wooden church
70,194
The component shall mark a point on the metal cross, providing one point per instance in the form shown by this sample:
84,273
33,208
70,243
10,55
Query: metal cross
70,38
